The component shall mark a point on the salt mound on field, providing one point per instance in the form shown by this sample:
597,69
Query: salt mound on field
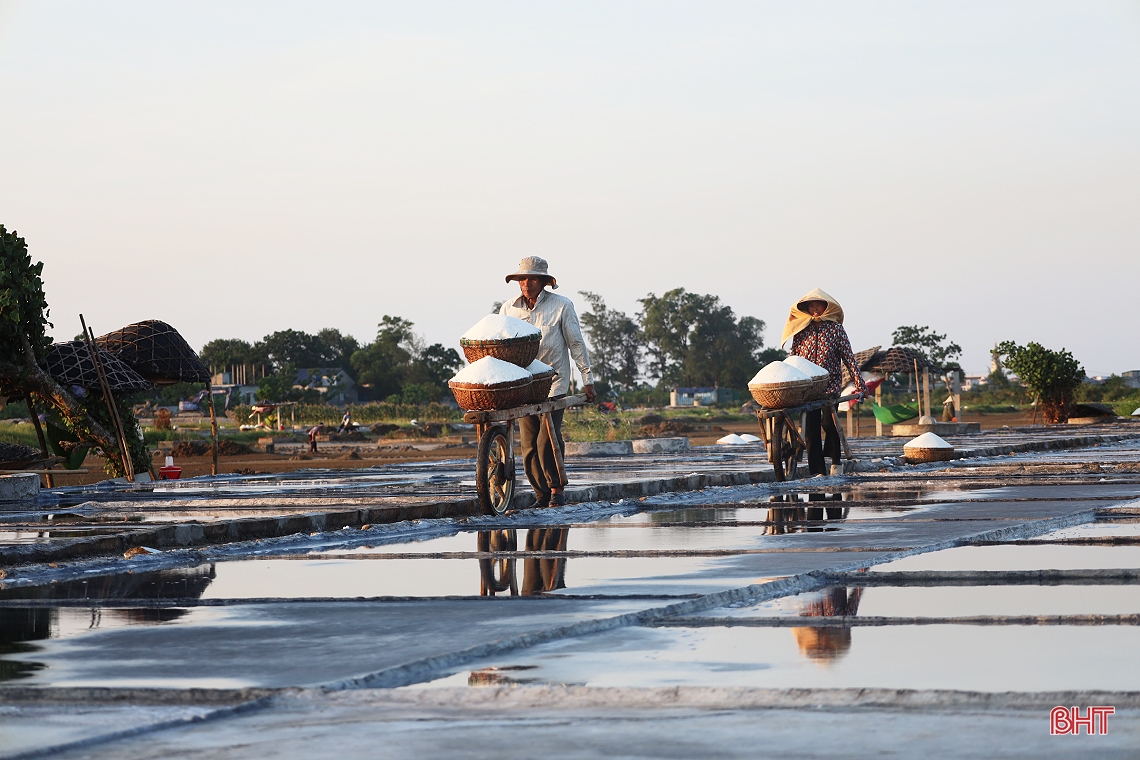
1137,412
490,371
749,438
500,327
811,369
927,441
537,367
732,439
778,372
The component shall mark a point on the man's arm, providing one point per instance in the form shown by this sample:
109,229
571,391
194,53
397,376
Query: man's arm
572,334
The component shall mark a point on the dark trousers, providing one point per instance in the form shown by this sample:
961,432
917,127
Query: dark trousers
538,453
313,445
818,445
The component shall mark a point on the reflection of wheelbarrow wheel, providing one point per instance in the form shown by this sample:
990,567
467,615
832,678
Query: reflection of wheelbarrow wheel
495,470
786,451
497,575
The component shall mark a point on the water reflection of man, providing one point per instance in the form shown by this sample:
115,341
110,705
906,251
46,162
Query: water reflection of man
786,519
825,644
542,574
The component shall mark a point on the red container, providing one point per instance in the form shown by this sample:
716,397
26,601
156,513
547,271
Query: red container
169,473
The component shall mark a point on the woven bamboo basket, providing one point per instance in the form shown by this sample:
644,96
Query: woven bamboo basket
521,351
540,386
818,388
488,398
916,455
783,395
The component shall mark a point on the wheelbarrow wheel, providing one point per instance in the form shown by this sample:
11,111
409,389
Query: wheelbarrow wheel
786,456
497,576
495,471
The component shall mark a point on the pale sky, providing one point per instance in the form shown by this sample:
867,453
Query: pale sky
236,168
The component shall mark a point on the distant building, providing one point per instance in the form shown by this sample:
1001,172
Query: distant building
332,382
970,382
236,393
702,396
1131,378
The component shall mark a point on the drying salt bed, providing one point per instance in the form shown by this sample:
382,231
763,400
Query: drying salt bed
490,371
500,327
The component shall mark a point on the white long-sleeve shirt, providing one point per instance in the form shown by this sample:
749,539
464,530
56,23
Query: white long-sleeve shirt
562,337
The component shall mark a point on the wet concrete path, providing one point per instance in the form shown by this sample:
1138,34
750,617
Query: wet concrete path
412,632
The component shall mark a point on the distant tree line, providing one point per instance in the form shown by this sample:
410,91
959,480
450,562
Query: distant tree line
397,366
676,339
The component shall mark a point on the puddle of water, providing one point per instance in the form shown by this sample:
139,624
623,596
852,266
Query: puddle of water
761,510
1013,557
977,658
291,579
947,601
1094,530
602,538
22,628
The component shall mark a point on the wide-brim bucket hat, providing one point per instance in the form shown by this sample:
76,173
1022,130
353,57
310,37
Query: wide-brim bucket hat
533,266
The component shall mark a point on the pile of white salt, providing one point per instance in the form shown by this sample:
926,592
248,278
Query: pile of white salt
500,327
777,373
490,371
811,369
927,441
538,368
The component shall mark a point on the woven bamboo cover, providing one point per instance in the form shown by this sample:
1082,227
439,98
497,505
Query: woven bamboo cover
157,352
70,364
783,395
489,398
520,351
921,456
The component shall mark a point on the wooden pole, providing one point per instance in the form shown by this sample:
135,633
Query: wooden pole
878,402
109,400
43,440
926,390
213,427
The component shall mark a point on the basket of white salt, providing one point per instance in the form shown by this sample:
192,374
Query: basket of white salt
489,384
780,385
927,448
542,378
818,374
506,338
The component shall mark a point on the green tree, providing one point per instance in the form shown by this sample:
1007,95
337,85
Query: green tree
382,366
930,344
23,305
1053,376
222,353
615,345
694,340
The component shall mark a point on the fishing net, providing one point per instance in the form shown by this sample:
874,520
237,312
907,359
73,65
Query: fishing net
70,364
157,352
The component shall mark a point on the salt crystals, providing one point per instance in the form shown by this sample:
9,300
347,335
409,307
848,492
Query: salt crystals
927,441
537,368
811,369
748,437
490,371
778,372
500,327
732,439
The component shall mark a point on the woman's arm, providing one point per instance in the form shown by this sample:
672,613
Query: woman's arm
847,357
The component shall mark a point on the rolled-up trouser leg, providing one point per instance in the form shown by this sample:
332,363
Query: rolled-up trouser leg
538,455
529,429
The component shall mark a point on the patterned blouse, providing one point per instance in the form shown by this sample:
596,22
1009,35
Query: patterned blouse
826,344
